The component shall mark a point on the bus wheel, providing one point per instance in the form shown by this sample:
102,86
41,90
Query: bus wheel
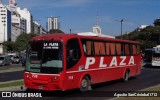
85,84
126,76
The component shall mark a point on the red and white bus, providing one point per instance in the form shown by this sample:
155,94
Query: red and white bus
68,61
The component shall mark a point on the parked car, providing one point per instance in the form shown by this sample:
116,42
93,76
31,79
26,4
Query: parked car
5,60
12,55
16,59
23,61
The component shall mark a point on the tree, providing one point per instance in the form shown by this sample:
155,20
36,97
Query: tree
157,22
53,31
148,37
9,46
22,40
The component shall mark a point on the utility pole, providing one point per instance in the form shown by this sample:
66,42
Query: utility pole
121,21
70,31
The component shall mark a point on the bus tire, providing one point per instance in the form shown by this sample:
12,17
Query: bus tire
85,84
126,76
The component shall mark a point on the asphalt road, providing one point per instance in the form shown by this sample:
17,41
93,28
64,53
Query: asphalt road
10,76
148,78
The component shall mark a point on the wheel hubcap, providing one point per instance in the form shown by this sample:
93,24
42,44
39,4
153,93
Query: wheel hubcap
84,83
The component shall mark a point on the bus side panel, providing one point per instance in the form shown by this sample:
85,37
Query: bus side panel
101,69
74,75
136,69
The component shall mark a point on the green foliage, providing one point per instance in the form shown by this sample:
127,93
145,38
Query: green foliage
22,40
20,44
148,37
53,31
9,46
157,22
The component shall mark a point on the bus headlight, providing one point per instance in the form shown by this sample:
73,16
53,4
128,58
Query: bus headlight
55,78
27,76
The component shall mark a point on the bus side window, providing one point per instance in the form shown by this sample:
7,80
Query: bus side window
127,50
138,49
107,49
87,47
73,53
113,48
99,48
134,49
119,49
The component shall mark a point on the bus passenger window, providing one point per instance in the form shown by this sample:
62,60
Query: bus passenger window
112,47
119,49
127,49
84,48
73,53
107,49
138,49
134,49
88,45
99,48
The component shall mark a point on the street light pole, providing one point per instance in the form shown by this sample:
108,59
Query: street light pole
121,21
121,28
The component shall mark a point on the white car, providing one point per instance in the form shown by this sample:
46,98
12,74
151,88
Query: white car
5,60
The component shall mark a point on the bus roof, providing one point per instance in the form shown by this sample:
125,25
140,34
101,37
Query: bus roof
62,36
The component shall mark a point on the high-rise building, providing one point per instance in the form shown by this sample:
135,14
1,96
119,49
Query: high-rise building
18,26
25,14
5,25
18,23
12,5
53,23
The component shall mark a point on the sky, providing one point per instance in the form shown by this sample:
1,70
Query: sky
80,15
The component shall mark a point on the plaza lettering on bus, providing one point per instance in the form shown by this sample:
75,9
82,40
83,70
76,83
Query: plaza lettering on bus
115,62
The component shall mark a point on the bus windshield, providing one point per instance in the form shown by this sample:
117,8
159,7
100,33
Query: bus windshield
44,57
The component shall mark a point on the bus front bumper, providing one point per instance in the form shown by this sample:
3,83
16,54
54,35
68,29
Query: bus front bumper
44,82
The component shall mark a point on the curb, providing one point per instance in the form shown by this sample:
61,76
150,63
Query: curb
14,88
11,81
146,89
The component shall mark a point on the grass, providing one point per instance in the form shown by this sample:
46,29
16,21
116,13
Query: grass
11,84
